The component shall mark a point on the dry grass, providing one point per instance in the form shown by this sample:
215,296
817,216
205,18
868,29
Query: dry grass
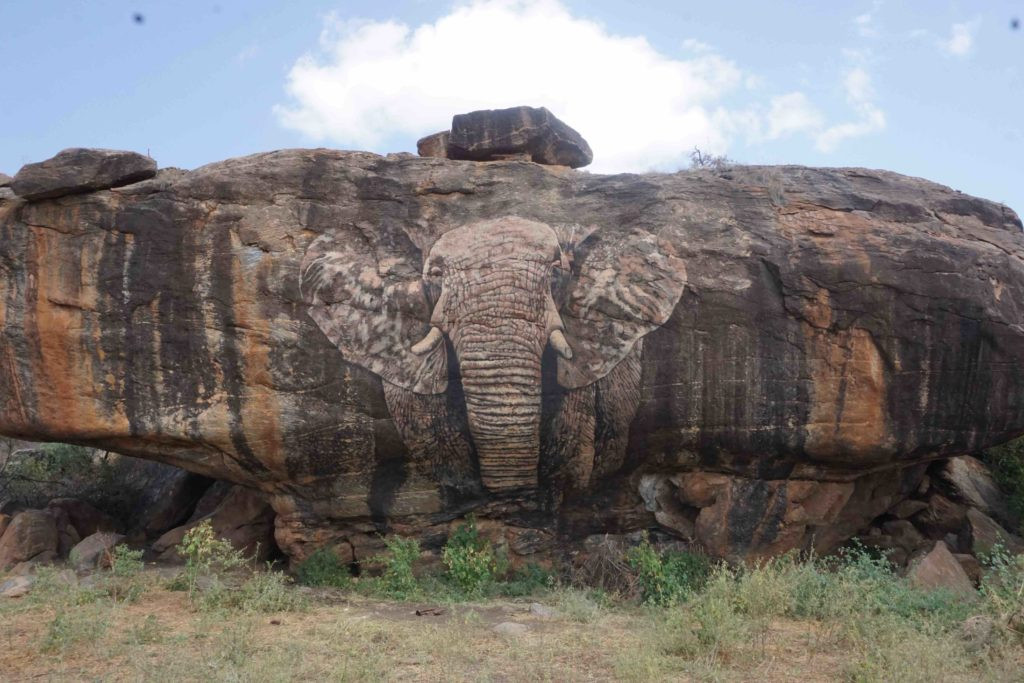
736,630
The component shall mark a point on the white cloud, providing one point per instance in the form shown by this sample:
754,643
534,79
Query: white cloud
860,95
694,45
865,23
961,39
792,113
638,108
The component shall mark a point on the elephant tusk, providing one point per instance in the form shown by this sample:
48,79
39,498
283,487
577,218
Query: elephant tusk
559,343
428,343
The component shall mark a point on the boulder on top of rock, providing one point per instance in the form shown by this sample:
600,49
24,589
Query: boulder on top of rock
30,534
939,569
489,134
435,145
81,170
5,180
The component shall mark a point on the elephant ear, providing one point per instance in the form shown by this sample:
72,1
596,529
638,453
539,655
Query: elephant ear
624,286
370,303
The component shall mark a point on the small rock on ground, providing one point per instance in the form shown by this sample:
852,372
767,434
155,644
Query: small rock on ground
511,628
17,586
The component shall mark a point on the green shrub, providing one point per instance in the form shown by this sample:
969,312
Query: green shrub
269,591
665,579
323,568
471,563
1003,584
1007,465
206,555
397,580
71,627
530,579
124,581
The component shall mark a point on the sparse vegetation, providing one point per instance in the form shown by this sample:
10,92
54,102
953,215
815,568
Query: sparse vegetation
665,579
1007,465
398,581
323,568
700,159
471,561
841,618
206,557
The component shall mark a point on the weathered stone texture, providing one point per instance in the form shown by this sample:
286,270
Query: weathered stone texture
81,170
535,132
836,328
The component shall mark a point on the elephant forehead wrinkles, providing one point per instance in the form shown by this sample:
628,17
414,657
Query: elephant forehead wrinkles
509,235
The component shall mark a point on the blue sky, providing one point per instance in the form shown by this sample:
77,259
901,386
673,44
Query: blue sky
932,89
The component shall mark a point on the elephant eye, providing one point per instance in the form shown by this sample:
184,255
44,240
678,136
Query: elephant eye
557,263
435,271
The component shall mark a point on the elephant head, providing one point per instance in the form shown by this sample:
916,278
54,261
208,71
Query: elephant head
492,291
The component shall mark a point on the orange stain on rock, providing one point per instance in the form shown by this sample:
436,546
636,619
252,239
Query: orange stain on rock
67,402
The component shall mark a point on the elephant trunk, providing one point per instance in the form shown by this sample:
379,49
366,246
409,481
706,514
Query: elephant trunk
501,378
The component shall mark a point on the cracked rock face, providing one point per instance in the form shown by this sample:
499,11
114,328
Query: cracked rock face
755,359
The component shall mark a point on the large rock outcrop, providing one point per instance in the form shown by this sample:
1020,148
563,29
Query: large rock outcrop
756,359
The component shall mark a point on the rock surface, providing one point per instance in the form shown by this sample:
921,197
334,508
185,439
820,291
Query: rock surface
5,180
81,170
491,134
939,569
242,516
16,586
785,347
94,551
435,145
31,534
971,481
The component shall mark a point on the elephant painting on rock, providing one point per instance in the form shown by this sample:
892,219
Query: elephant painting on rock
510,349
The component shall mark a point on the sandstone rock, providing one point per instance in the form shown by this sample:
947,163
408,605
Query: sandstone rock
908,508
483,135
85,518
242,517
903,534
94,551
5,180
984,533
942,516
81,170
17,586
970,565
435,145
972,482
30,534
939,569
716,324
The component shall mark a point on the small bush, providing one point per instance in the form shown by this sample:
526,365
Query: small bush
124,581
530,579
665,579
472,565
269,591
206,555
324,568
71,627
397,580
1003,586
1007,465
